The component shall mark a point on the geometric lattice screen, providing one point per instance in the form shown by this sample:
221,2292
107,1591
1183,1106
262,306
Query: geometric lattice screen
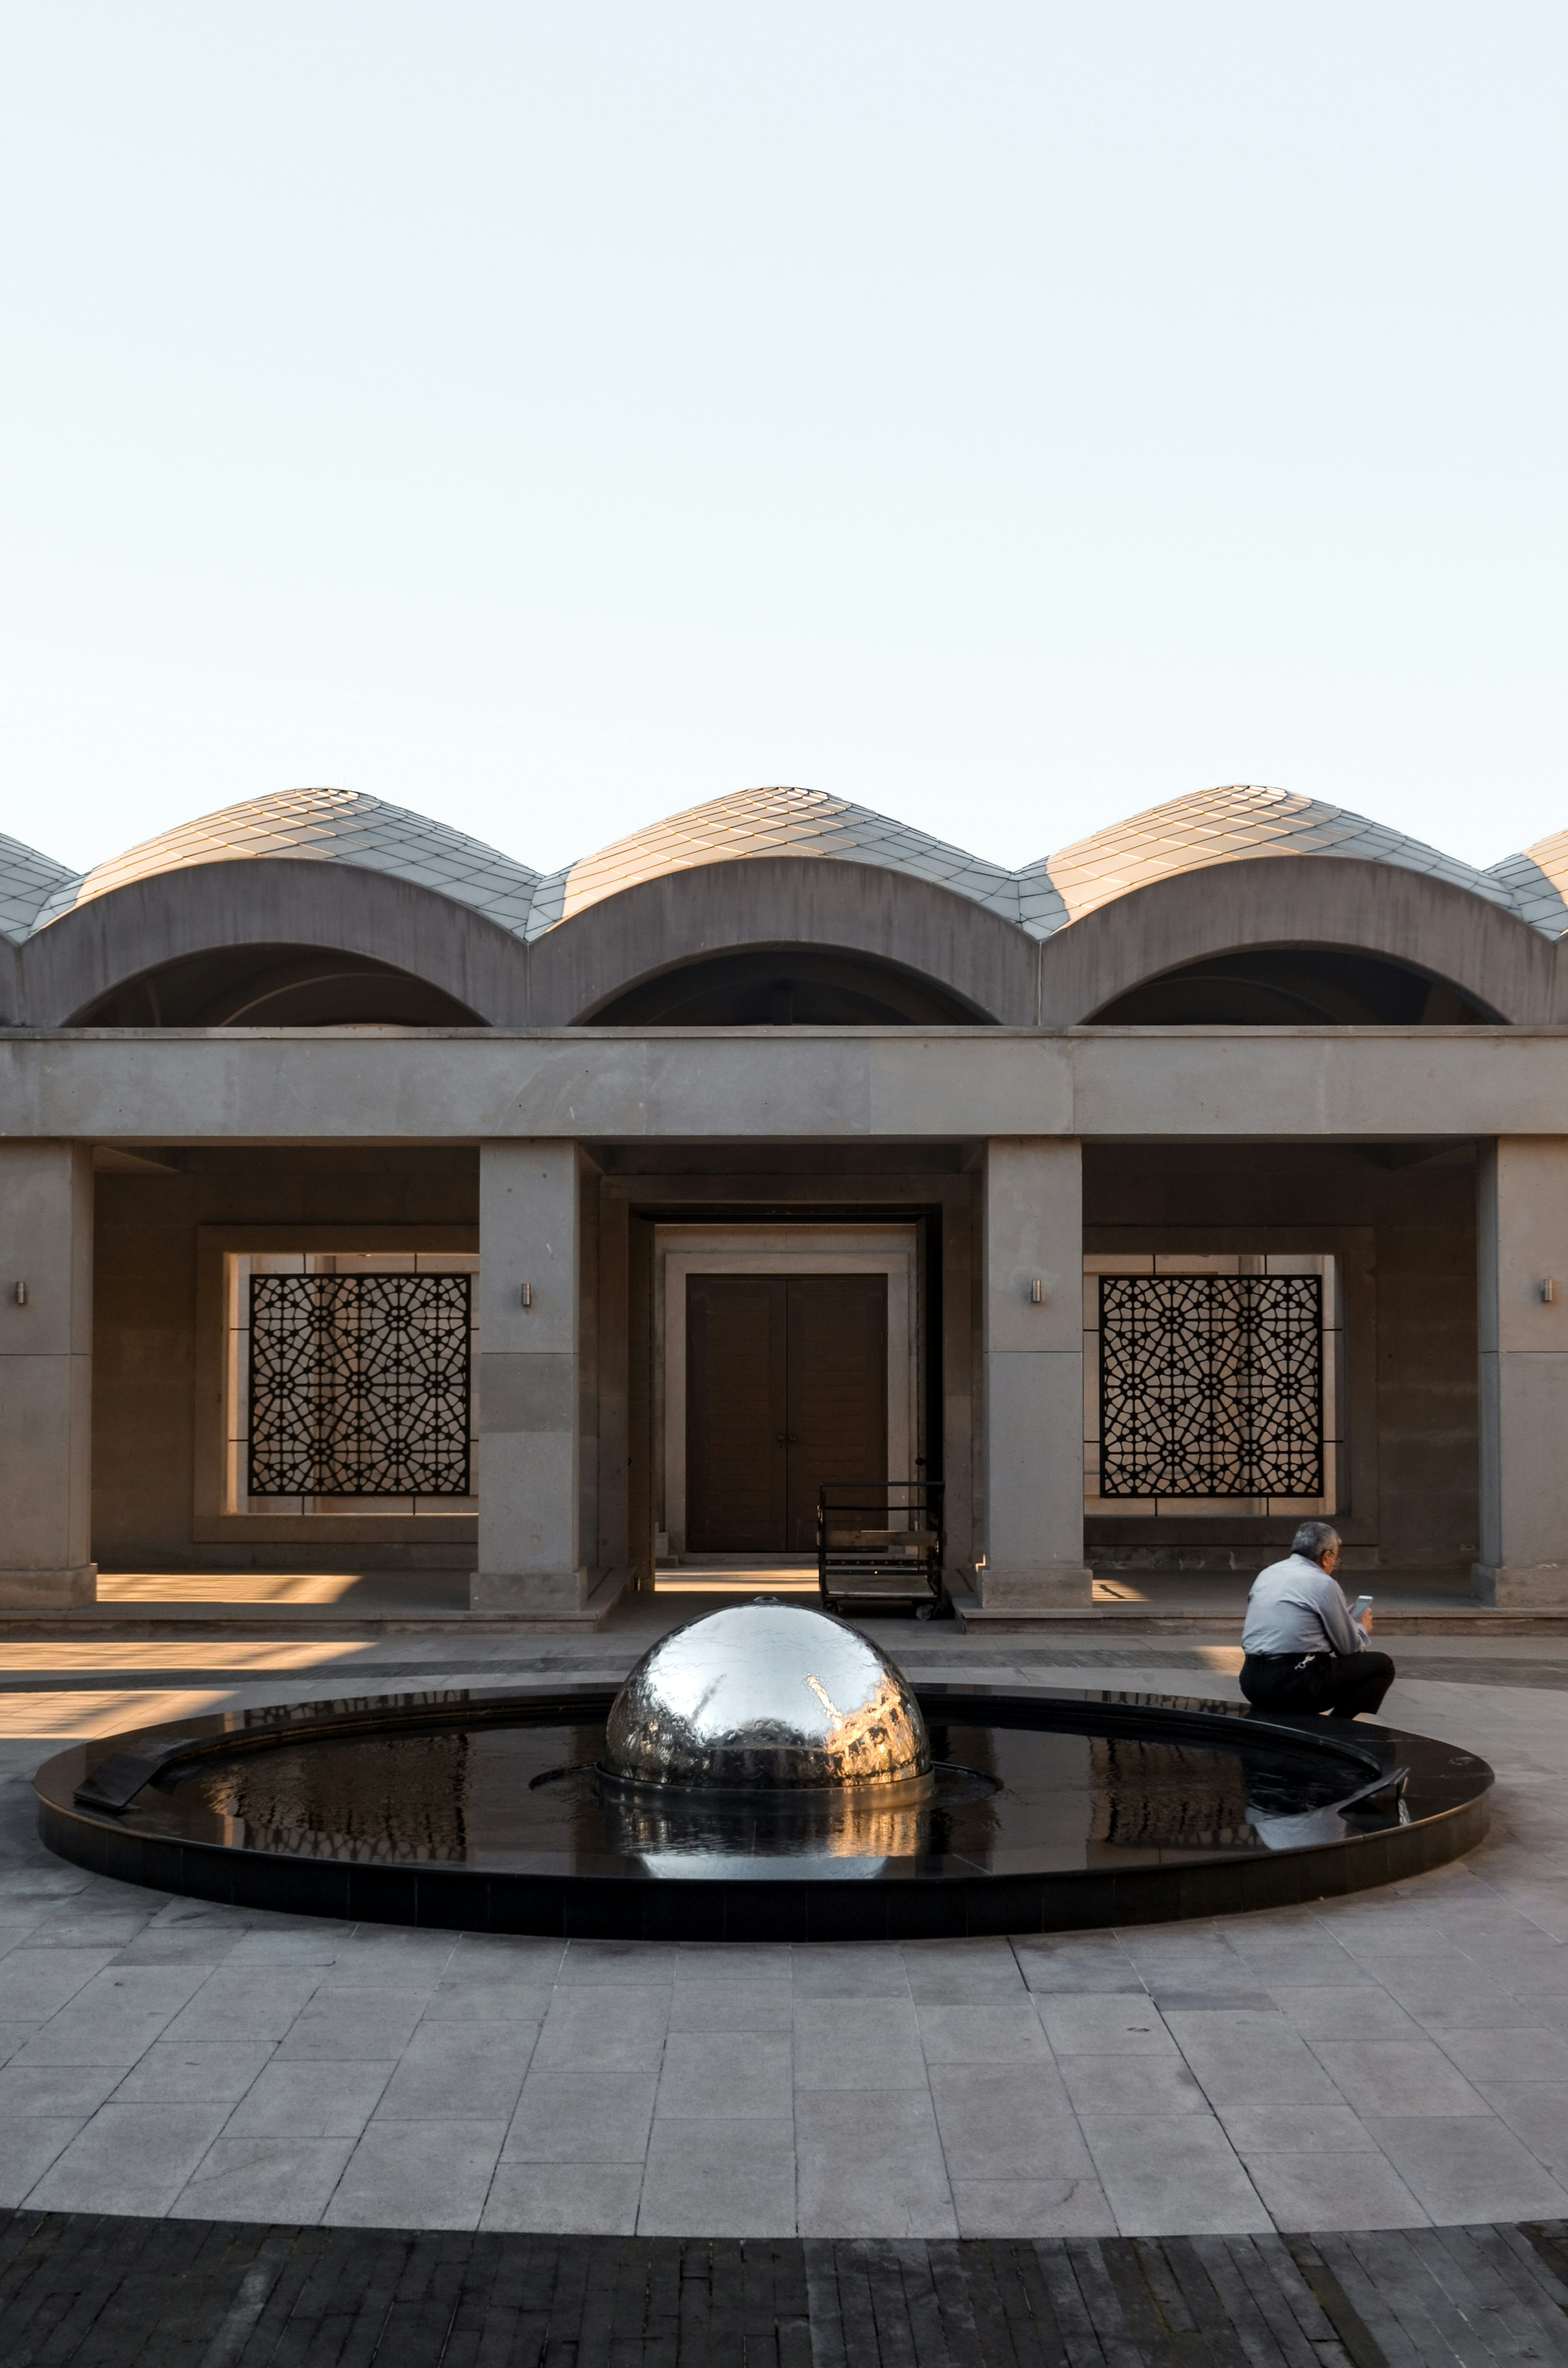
360,1386
1211,1386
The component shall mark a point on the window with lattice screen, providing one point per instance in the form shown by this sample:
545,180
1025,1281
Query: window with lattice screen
359,1384
1212,1382
1210,1386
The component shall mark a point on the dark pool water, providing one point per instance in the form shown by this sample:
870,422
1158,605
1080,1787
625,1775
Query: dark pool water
511,1796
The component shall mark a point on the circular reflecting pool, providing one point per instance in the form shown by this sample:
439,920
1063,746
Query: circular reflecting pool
490,1812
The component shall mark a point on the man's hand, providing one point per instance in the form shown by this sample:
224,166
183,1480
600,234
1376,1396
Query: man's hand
1364,1621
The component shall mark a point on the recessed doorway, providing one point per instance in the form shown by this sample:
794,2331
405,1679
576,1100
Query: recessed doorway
787,1387
784,1355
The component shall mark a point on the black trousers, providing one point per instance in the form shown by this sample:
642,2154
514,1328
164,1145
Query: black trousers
1331,1685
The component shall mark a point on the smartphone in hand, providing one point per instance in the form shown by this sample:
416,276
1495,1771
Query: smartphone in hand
1360,1609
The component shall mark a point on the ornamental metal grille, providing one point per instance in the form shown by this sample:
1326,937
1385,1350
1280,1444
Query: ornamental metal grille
1211,1386
359,1384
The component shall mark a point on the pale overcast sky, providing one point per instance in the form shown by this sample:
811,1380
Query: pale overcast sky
1006,414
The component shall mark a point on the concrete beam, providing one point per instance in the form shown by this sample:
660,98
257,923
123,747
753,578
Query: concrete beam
428,1084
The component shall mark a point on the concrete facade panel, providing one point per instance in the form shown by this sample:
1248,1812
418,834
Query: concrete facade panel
1526,1187
529,1234
581,1089
1034,1216
44,1524
521,1393
811,1085
917,1087
1532,1411
528,1519
1339,1083
46,1218
1034,1523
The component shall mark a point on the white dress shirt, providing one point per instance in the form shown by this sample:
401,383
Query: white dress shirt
1295,1606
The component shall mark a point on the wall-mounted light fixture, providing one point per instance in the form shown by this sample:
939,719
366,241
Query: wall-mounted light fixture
1037,1293
527,1294
20,1294
1549,1289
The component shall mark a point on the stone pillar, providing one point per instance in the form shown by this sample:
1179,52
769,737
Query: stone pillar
1523,1241
530,1449
46,1376
1034,1377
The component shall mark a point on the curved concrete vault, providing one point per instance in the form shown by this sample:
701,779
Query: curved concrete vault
1223,883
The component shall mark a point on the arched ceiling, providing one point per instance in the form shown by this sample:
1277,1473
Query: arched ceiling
1231,824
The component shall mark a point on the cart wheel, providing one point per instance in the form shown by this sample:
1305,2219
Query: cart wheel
925,1610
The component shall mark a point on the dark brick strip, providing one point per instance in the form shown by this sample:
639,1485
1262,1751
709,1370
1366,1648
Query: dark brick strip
83,2290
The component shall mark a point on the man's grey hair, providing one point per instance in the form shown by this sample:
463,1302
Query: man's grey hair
1313,1539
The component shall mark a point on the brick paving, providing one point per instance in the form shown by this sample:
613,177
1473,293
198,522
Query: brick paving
82,2291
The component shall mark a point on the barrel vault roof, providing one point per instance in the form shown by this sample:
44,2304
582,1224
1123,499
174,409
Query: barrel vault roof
1233,823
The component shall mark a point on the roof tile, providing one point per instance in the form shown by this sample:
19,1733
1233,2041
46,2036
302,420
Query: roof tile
1233,823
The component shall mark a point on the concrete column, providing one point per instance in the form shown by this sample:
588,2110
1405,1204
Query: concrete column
1523,1240
46,1374
531,1447
1033,1515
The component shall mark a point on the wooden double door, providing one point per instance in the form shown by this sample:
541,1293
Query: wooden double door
786,1386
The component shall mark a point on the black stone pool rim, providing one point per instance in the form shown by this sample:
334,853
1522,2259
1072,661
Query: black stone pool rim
87,1798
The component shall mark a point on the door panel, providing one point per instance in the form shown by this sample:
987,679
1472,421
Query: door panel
787,1386
838,1390
735,1367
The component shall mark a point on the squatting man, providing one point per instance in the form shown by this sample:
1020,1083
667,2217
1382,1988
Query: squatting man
1302,1649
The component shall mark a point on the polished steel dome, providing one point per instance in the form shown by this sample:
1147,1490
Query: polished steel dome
767,1697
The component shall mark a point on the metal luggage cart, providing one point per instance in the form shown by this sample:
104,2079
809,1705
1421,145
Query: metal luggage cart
880,1541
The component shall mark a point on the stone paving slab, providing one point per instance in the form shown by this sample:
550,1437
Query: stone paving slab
80,2290
1397,2060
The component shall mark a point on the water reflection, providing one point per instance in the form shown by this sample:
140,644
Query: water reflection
468,1796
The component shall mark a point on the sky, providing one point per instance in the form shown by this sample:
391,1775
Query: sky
1009,416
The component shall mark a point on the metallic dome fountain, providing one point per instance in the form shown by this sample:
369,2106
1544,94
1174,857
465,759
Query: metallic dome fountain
765,1773
761,1732
768,1696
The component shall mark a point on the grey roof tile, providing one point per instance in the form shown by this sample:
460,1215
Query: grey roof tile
29,882
1233,823
310,826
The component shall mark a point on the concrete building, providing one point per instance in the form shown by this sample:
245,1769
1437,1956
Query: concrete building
374,1202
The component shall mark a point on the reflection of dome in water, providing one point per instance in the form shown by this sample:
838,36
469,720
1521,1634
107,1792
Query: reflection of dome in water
767,1696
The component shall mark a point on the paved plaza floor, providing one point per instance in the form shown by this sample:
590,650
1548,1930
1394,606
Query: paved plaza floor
1390,2061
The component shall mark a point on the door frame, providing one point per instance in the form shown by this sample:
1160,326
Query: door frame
682,1250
